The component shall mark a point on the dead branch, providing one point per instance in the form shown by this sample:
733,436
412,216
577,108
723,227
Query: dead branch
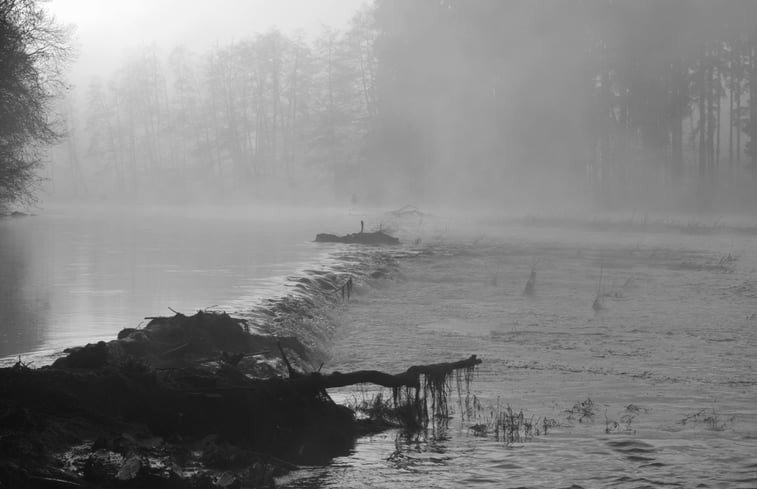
409,378
292,372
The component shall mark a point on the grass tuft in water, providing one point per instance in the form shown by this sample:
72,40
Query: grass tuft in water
509,425
582,410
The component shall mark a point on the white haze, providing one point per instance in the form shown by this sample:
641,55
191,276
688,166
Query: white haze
521,168
105,30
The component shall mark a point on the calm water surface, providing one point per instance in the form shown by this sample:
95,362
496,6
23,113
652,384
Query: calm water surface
73,276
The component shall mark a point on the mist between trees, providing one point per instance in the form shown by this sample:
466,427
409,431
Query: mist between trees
624,103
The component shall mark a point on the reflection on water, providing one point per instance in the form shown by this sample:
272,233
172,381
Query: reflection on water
74,277
23,307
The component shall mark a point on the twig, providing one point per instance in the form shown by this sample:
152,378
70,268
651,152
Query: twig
292,372
175,350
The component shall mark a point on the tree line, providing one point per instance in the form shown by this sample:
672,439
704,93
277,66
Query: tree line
620,100
617,101
270,116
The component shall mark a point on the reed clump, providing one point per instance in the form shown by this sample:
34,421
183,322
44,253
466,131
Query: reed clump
509,425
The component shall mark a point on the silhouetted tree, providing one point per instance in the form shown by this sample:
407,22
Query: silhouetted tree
33,49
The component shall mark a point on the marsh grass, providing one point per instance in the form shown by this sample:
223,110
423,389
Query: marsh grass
508,425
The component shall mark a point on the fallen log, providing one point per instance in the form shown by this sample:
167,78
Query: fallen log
410,378
419,394
289,418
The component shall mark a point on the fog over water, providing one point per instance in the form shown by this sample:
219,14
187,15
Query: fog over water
602,151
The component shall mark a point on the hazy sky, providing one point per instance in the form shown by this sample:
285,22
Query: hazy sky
105,29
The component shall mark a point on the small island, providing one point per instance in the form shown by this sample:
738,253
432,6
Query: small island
375,238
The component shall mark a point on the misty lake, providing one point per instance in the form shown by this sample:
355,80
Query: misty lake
72,276
655,387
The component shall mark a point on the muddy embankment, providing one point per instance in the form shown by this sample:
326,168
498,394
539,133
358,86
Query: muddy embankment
202,400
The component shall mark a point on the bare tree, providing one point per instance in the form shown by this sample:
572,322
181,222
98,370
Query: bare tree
33,52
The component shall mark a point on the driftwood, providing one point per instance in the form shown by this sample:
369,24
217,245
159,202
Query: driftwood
288,418
410,378
419,394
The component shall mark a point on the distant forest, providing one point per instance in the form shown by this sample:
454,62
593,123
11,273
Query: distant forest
623,103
